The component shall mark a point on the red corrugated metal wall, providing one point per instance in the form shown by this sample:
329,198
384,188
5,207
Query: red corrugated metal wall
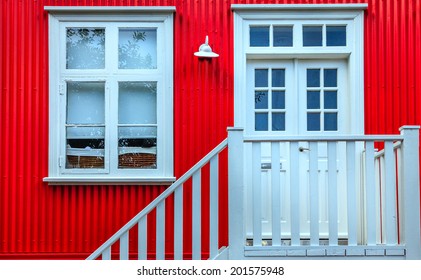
41,221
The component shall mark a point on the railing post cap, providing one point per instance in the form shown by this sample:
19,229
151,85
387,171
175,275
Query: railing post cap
409,127
235,129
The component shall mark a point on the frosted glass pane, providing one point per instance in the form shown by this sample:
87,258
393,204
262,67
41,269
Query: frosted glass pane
137,103
261,77
261,100
85,147
278,121
137,49
133,132
97,132
313,99
313,121
331,99
85,103
282,36
261,122
313,77
259,36
331,121
330,77
336,35
278,99
278,77
312,36
85,48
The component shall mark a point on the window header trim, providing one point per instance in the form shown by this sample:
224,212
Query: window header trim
287,7
109,9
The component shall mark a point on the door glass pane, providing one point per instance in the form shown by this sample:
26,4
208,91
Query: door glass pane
278,77
278,99
137,49
313,99
137,103
278,121
313,121
312,36
261,122
259,36
330,77
261,78
336,35
331,121
261,99
331,99
137,147
313,77
282,36
85,48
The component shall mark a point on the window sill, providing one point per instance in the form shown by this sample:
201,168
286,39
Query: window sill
109,180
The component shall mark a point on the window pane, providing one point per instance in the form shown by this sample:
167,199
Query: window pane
261,77
313,121
137,49
331,99
313,99
137,103
85,103
261,122
278,77
278,99
336,35
330,77
259,36
331,121
137,147
282,36
278,121
313,77
85,48
85,147
261,100
312,36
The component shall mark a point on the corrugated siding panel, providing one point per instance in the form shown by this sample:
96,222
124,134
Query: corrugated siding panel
41,221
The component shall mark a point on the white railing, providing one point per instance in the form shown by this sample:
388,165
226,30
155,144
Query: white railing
158,205
380,196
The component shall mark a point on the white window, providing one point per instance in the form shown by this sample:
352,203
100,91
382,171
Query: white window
111,95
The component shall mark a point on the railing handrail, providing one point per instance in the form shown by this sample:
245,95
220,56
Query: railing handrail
380,153
314,138
115,237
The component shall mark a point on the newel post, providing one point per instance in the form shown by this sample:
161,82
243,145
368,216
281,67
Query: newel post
411,191
235,194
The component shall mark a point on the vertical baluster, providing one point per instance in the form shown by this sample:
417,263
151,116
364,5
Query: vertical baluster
351,193
106,255
257,197
370,193
295,194
197,215
332,193
276,194
160,231
178,223
214,163
390,195
124,246
142,239
314,194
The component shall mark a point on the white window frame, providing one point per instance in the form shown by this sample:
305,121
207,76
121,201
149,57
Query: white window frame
351,15
111,17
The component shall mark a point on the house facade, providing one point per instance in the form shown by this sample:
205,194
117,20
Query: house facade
104,106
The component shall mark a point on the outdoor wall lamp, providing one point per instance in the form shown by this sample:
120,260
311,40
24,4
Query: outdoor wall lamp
205,50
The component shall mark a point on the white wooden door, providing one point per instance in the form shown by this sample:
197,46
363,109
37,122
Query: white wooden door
295,97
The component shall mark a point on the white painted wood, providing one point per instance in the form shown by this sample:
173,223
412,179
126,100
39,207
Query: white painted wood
124,246
370,203
289,7
320,138
103,9
390,218
332,194
335,251
351,193
236,227
374,252
214,207
314,194
197,216
411,191
160,231
276,194
178,223
295,194
316,252
142,250
257,196
106,255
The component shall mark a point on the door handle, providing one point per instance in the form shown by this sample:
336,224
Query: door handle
302,149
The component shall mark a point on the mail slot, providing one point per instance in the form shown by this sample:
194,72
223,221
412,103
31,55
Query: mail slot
268,165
